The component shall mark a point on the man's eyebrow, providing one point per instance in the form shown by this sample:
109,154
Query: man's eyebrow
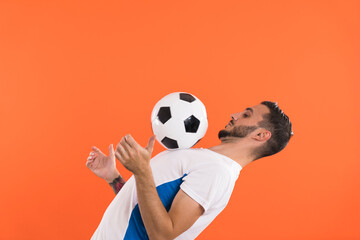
250,109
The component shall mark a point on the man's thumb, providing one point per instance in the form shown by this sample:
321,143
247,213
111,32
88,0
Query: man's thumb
111,150
151,143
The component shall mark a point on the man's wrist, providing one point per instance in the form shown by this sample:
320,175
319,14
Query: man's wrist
117,184
143,172
111,178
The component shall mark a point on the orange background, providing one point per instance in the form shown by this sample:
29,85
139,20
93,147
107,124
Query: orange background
74,74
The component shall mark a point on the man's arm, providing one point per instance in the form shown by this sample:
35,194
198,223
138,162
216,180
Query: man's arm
159,223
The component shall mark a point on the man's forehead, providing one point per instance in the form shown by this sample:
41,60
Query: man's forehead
259,109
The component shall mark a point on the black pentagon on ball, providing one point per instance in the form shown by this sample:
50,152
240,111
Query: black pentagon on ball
191,124
187,97
170,143
164,114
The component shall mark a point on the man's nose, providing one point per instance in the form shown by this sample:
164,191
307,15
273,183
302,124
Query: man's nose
234,116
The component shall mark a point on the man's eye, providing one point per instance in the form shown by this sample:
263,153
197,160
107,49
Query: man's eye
245,115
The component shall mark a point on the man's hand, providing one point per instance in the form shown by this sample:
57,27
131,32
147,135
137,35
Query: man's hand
134,157
103,166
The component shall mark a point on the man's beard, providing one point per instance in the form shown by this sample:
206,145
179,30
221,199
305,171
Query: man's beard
237,131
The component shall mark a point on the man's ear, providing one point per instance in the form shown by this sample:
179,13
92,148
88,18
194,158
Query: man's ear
262,135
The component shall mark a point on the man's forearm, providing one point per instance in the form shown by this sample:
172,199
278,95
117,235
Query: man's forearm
117,184
156,219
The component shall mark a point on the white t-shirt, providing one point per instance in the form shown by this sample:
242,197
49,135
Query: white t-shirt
206,176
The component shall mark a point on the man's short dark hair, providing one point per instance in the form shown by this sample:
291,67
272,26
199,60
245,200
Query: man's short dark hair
280,127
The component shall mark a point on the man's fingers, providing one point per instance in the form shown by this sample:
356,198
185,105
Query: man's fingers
125,144
122,152
96,150
118,156
131,141
89,164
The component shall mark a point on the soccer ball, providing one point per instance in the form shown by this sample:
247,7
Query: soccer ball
179,120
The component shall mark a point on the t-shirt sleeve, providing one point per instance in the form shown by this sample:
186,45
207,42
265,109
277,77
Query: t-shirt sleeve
208,186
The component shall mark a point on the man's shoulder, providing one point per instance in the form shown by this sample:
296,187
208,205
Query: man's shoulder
200,159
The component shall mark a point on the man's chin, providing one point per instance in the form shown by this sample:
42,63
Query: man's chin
223,134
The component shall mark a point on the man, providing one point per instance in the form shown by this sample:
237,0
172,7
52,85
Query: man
178,193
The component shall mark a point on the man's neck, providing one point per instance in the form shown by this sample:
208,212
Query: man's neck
239,152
